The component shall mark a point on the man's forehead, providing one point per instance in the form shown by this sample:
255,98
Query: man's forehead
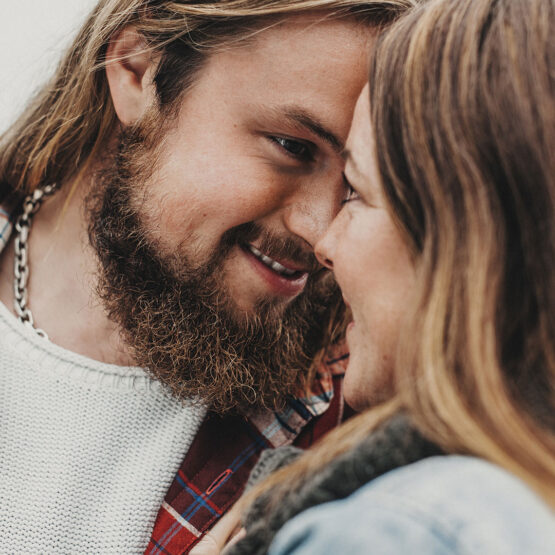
295,25
298,42
307,76
305,27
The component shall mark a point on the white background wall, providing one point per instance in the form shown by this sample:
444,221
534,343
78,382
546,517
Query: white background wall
33,34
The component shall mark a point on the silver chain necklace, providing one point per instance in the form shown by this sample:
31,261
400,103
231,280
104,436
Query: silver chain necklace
31,204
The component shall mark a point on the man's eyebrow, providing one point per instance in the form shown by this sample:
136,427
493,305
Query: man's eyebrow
303,118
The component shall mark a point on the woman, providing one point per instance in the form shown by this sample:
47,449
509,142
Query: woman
445,251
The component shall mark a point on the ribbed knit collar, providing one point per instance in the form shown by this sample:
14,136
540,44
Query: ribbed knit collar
45,356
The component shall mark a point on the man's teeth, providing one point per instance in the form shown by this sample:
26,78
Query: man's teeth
276,266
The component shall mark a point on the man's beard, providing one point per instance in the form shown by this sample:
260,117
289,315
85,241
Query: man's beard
175,314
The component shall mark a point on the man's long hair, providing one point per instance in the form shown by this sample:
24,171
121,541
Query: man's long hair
69,123
462,97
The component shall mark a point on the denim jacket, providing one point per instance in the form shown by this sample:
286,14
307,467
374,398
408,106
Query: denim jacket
441,505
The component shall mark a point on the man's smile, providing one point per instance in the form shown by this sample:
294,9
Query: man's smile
285,268
285,278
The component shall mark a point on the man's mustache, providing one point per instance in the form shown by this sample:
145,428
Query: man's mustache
290,248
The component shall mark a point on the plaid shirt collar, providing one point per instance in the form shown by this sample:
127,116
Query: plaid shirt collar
217,466
215,470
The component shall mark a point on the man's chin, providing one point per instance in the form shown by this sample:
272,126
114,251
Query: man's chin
250,308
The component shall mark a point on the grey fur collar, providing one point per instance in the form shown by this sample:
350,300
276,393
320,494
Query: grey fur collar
396,443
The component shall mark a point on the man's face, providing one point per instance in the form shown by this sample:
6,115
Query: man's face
257,140
206,233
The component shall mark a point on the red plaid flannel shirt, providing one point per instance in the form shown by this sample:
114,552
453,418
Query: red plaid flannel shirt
215,470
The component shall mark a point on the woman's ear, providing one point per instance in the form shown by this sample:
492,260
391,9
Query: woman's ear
130,69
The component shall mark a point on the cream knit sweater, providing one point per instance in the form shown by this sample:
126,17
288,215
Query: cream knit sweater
87,450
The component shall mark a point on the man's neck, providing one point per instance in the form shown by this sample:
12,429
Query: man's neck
62,280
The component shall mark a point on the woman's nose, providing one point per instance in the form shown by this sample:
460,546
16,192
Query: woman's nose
322,250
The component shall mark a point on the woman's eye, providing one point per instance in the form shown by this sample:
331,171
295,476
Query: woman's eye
298,150
350,192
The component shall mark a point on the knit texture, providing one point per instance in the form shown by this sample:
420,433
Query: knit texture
394,444
87,450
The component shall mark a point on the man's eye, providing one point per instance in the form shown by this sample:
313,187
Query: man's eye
296,149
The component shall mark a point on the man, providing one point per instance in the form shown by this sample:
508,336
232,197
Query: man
167,306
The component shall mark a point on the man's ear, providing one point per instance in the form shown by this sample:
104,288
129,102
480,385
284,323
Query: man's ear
130,69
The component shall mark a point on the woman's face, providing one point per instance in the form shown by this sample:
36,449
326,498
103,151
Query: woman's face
372,265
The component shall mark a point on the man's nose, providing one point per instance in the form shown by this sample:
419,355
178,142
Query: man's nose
309,214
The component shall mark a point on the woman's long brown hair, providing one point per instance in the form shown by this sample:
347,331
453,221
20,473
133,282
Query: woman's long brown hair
463,108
